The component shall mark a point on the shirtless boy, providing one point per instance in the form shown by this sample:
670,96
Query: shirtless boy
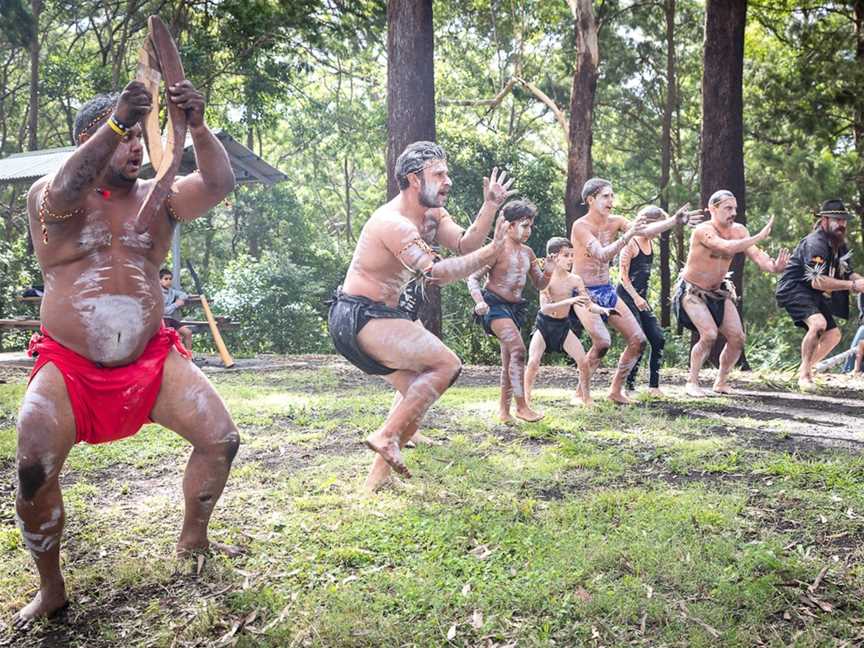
106,364
705,298
367,324
597,238
499,305
556,324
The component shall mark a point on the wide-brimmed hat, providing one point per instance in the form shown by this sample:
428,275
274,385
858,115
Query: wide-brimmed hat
834,208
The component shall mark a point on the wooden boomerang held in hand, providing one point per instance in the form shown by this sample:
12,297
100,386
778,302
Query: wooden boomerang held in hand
159,58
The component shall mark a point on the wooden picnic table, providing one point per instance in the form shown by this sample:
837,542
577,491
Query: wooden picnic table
191,299
196,325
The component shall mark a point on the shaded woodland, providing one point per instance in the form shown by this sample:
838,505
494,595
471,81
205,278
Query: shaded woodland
669,99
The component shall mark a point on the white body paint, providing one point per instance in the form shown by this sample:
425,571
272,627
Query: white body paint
114,326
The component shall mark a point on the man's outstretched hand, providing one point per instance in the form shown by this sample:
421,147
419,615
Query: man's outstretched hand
495,189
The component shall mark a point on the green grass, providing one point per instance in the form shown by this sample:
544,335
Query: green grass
633,526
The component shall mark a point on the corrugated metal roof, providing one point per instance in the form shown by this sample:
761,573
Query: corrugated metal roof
248,167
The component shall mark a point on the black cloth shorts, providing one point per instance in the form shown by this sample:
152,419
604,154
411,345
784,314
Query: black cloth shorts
501,309
716,306
348,315
803,306
554,330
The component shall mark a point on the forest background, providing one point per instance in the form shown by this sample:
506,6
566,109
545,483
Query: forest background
303,83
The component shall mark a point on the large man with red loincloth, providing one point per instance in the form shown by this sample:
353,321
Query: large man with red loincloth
103,353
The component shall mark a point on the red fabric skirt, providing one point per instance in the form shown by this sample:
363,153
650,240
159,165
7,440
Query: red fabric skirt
109,403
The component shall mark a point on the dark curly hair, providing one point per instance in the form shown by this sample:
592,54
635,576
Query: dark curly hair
91,115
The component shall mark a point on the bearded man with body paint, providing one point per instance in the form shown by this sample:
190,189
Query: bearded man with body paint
597,238
104,353
370,322
705,298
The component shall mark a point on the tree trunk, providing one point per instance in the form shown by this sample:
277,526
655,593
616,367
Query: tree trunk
411,102
858,124
581,106
33,112
666,163
722,155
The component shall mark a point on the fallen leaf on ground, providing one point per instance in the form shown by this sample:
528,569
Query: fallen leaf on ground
451,633
481,552
477,619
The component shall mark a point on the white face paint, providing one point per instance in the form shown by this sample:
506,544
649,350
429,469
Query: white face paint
114,325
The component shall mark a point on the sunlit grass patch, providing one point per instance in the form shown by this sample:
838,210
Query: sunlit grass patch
639,525
839,472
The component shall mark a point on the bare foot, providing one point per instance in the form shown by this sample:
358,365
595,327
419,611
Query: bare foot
527,414
694,390
619,398
389,451
807,386
505,418
580,400
420,438
656,391
48,604
723,388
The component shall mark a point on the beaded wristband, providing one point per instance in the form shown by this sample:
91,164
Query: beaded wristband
118,127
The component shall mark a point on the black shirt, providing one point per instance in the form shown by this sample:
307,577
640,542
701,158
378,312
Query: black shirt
640,271
813,256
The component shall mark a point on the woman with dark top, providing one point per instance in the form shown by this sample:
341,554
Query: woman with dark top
634,276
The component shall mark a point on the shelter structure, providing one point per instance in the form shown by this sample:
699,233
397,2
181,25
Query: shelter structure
249,168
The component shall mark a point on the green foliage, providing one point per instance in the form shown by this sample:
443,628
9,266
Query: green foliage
270,296
304,84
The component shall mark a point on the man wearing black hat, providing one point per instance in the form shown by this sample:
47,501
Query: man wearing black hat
815,287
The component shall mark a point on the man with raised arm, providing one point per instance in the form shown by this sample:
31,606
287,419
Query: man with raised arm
597,238
705,298
103,354
370,327
819,273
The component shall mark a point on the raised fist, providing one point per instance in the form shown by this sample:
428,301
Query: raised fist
134,104
189,99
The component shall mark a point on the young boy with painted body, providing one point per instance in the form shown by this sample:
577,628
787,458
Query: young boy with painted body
556,325
501,308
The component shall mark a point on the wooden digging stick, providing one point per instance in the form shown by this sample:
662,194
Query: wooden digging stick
227,360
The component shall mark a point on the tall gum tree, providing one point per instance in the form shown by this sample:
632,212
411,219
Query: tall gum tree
722,133
582,94
411,102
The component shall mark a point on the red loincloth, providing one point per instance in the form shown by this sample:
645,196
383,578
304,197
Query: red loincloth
109,403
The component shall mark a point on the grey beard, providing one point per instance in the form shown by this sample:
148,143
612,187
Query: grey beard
428,198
